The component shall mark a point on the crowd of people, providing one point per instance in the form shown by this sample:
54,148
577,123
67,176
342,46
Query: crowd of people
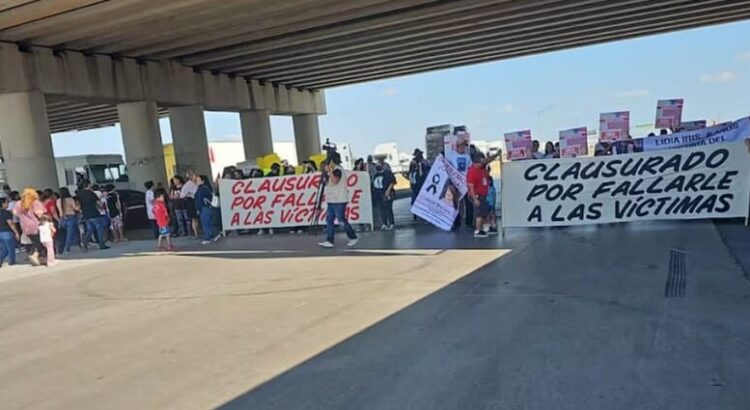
189,208
49,223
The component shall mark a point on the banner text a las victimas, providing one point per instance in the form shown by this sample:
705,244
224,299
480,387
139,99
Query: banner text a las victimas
287,201
702,182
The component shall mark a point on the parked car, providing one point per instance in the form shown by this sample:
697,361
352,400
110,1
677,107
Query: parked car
134,204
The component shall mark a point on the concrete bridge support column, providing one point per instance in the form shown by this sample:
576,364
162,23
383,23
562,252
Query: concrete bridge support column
190,140
256,133
141,138
26,142
306,136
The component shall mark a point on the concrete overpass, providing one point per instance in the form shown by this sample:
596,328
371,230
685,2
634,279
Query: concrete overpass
80,64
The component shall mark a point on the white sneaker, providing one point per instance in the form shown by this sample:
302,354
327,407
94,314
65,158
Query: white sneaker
325,244
352,242
270,231
216,239
384,228
205,242
260,232
390,227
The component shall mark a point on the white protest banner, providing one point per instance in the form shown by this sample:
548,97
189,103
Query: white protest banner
692,125
702,182
441,194
669,113
287,201
614,126
574,142
721,133
518,145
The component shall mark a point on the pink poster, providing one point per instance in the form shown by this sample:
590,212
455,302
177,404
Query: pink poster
574,143
614,126
518,145
669,113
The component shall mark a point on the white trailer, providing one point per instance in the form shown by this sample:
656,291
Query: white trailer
99,169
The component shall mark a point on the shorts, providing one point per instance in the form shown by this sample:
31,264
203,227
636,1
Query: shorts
190,208
165,232
116,222
482,210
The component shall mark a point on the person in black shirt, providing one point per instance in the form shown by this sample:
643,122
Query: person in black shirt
418,170
275,170
383,183
90,206
9,235
114,206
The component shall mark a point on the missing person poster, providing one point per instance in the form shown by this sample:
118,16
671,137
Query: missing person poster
574,142
711,181
288,201
669,113
518,145
439,199
614,126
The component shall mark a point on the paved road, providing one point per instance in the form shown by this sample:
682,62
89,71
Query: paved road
414,319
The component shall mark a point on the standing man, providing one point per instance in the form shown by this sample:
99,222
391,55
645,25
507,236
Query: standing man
418,170
376,216
535,154
91,216
461,160
336,196
383,185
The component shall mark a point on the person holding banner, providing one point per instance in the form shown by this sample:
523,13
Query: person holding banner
337,197
461,161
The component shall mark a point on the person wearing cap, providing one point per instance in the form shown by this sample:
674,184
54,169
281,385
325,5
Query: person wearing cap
418,170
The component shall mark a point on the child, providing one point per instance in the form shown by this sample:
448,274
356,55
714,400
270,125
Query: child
46,237
492,200
161,214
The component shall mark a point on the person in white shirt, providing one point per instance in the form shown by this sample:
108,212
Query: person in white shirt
336,196
149,185
187,193
461,160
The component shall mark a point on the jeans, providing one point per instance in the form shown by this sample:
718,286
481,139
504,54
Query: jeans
386,211
8,247
95,225
206,215
154,228
183,222
334,212
70,225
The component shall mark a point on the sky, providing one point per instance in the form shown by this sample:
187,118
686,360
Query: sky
708,67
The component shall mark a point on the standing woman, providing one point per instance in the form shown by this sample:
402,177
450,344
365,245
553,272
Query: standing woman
69,210
203,197
28,210
180,208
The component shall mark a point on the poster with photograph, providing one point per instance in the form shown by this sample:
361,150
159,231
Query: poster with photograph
574,142
518,145
669,113
614,126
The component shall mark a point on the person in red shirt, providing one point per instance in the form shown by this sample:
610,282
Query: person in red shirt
161,214
478,181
